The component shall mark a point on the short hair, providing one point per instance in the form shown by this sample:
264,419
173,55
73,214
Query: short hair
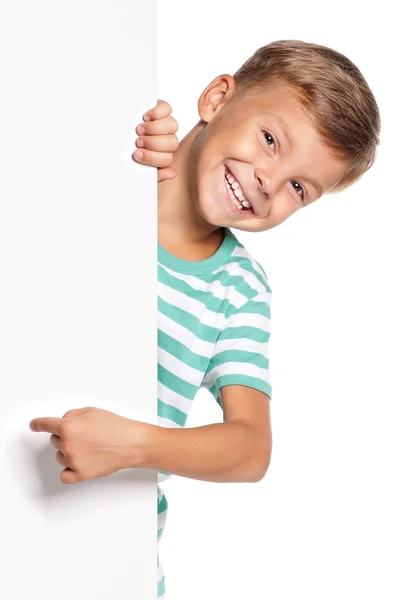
332,91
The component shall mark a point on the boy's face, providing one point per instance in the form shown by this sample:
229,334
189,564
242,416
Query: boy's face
279,171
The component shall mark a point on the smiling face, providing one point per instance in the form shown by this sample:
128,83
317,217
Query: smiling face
264,147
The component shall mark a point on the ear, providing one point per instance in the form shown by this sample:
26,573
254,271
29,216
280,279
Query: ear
215,96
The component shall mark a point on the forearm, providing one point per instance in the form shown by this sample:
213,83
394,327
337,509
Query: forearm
222,452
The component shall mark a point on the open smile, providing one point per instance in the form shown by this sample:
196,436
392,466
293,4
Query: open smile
235,194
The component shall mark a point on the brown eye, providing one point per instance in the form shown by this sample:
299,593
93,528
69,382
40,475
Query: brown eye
297,183
268,135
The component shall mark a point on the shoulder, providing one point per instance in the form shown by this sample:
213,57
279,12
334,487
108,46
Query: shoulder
247,278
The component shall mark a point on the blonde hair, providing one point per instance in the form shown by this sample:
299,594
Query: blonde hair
331,89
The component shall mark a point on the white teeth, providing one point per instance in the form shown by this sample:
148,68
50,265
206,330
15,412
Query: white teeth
234,200
238,192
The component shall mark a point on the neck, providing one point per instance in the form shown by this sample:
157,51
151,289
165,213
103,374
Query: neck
179,222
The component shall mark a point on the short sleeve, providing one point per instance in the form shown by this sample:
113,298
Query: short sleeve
240,354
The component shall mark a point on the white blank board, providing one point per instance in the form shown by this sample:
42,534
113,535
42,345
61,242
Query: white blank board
77,291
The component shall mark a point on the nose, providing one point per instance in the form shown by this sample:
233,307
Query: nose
262,186
265,182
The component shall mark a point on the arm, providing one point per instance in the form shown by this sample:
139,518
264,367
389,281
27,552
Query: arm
237,450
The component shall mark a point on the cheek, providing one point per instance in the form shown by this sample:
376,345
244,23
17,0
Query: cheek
241,146
246,141
283,211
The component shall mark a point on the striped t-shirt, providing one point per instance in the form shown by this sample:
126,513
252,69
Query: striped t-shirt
213,330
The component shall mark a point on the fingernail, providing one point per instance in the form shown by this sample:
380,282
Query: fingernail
140,129
138,154
140,143
147,117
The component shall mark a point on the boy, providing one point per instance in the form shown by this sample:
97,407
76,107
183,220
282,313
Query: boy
296,121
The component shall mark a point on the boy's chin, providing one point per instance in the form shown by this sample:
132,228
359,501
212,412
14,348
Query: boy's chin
215,217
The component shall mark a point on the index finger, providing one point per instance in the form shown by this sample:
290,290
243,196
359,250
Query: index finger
47,424
161,110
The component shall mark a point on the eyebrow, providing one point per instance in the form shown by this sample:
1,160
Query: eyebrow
288,135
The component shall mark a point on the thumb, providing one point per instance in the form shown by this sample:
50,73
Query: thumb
166,173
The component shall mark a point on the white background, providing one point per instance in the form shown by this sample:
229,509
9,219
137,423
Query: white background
323,521
76,78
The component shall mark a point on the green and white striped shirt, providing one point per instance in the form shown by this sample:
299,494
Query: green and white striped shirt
213,328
